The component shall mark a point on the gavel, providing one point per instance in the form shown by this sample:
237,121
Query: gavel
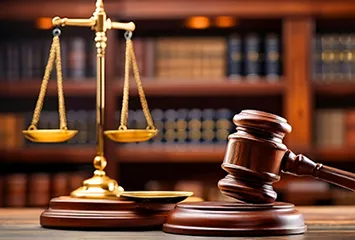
255,157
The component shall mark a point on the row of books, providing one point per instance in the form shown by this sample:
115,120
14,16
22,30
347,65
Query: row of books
163,58
333,57
35,189
207,58
334,128
194,126
26,59
182,58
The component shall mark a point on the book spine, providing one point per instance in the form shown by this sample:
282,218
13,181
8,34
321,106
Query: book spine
272,57
38,189
252,57
317,57
76,58
234,57
15,190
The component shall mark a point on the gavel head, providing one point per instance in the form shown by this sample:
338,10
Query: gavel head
253,156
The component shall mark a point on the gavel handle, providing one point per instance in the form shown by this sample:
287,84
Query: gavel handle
302,166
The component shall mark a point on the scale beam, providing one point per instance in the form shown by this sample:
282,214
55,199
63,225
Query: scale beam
118,25
57,21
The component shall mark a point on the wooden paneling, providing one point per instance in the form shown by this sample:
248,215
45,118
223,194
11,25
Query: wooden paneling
298,100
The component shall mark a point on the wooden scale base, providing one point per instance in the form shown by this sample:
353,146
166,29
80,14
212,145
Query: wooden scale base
234,219
73,213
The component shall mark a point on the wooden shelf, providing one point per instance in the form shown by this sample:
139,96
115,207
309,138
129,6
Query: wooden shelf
170,9
59,154
171,154
31,88
334,88
241,8
153,87
28,10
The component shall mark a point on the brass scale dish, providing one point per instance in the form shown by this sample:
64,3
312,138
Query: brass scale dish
99,186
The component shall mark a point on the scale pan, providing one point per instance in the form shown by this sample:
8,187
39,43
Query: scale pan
131,135
156,196
49,135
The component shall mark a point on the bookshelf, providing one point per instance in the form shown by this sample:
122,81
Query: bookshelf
296,95
334,89
49,155
209,88
88,88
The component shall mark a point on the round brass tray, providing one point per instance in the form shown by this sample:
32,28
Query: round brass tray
49,135
156,196
131,135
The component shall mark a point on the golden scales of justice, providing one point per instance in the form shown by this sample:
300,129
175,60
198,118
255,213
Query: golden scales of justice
100,191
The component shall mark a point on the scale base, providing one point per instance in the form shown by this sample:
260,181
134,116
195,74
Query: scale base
99,186
234,219
78,213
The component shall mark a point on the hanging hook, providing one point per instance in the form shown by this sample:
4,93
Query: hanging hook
128,35
56,32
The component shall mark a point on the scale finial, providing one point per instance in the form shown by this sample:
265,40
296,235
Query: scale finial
99,5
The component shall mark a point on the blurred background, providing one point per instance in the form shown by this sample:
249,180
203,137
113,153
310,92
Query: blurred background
201,62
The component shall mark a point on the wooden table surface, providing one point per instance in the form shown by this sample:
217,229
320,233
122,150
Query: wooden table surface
333,222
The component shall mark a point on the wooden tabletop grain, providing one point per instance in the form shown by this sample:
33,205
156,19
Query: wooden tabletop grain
333,222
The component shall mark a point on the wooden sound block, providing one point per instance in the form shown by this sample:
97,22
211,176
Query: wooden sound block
234,219
75,213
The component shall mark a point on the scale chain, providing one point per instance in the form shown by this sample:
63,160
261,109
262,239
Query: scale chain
124,111
140,88
43,89
54,55
61,105
130,60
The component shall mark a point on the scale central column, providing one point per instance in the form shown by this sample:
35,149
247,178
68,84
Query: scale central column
100,40
99,186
